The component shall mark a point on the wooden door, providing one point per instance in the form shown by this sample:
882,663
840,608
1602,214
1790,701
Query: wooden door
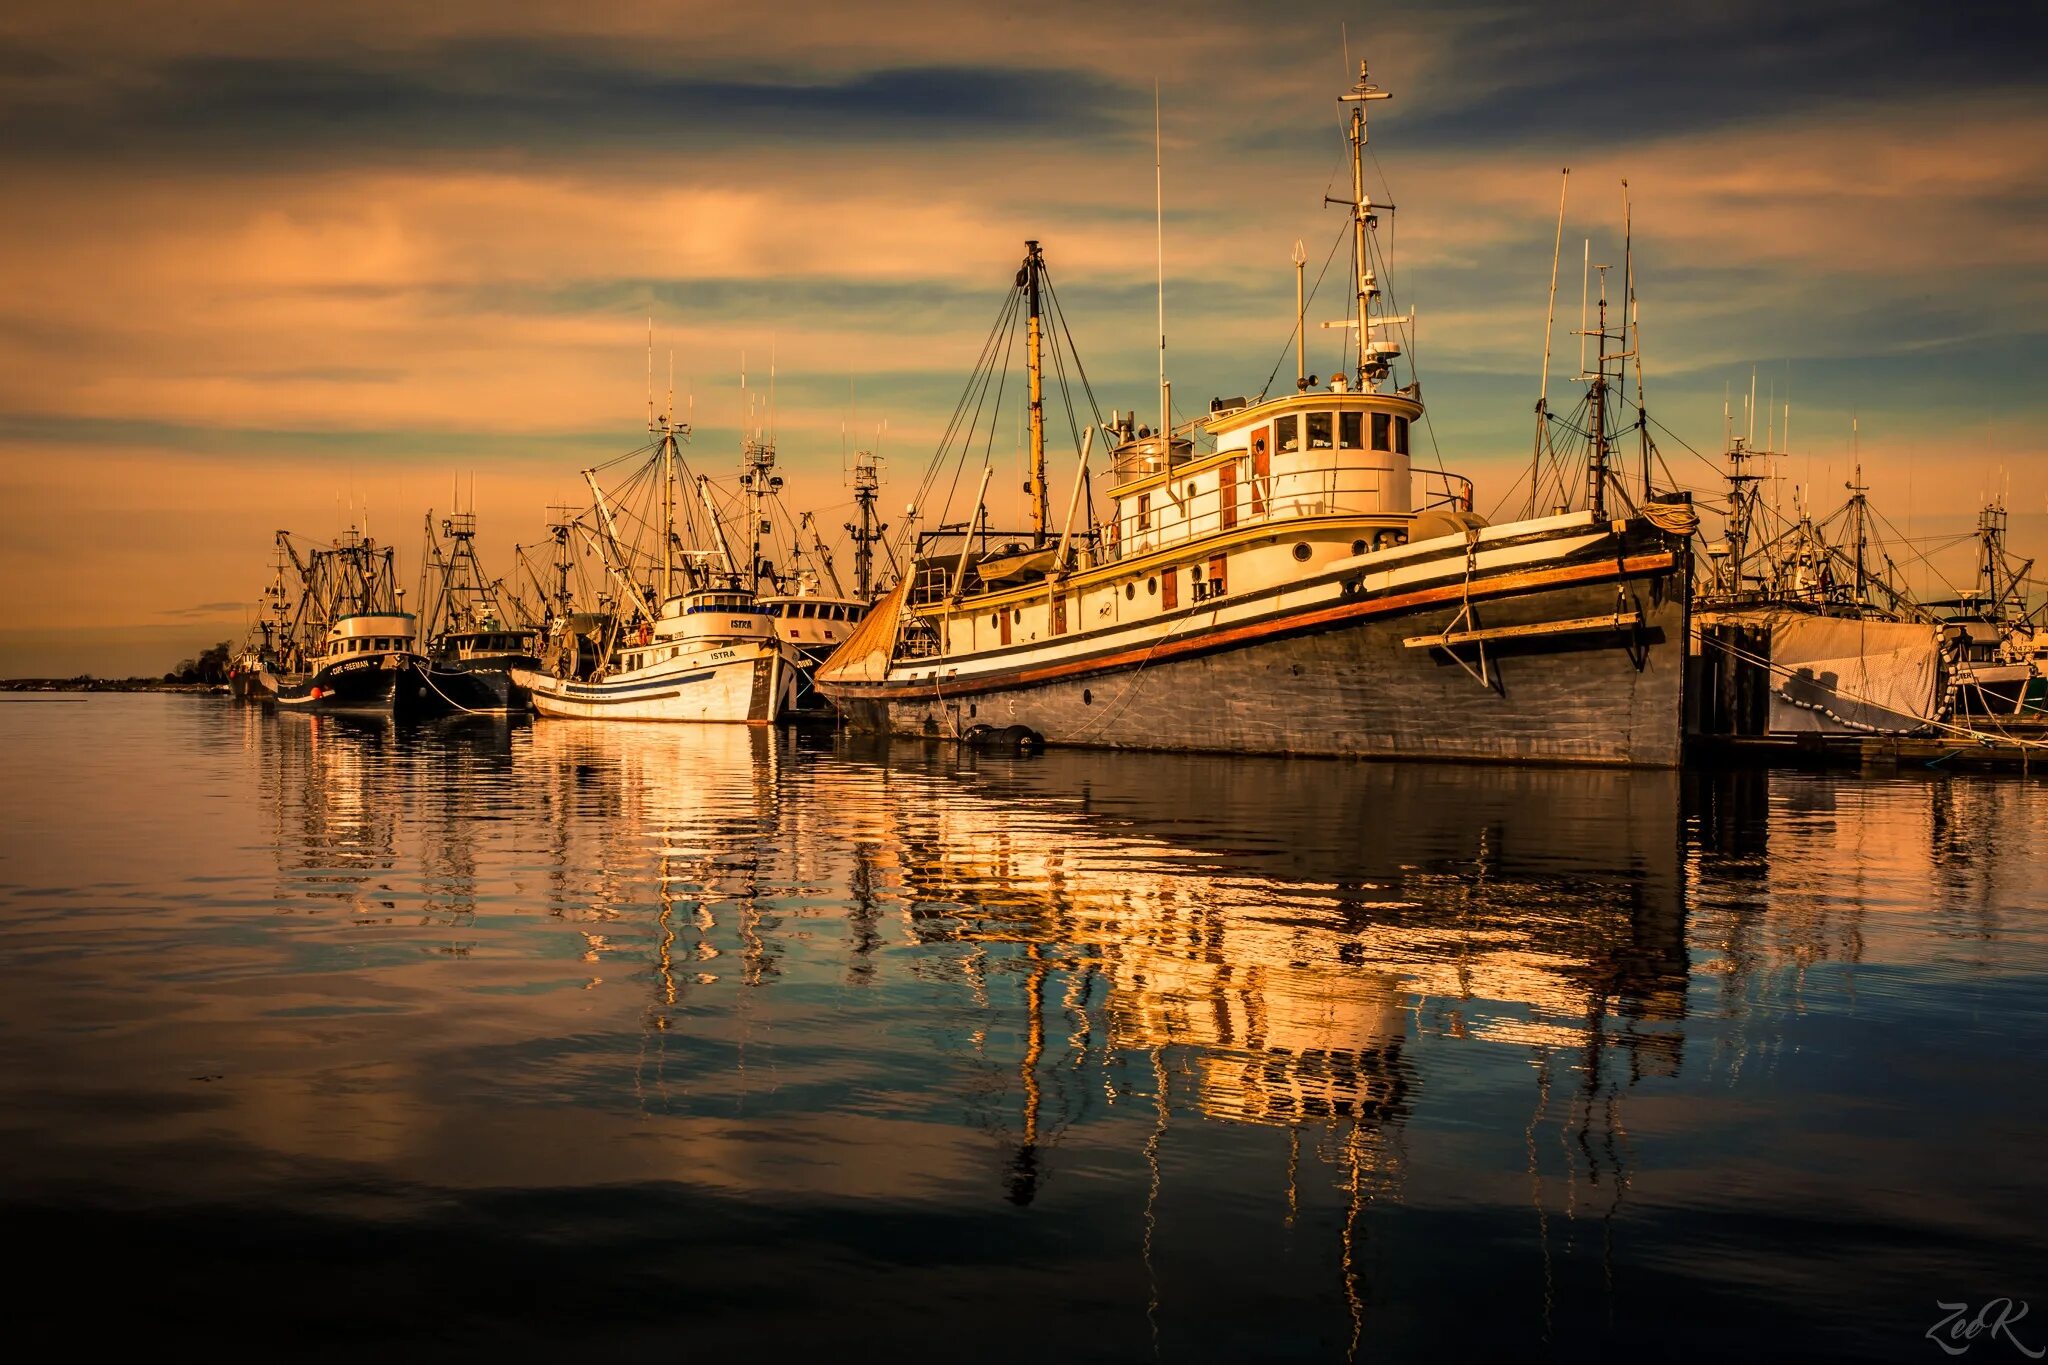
1262,468
1169,589
1004,617
1226,491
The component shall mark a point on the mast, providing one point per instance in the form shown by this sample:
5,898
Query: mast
1159,258
1596,408
1034,263
757,477
1374,359
866,483
1859,511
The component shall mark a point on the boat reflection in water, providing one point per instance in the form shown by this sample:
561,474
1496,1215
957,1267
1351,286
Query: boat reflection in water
1272,938
1096,941
1085,1056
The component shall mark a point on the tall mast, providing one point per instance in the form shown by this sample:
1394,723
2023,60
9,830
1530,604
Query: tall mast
1034,262
1372,364
866,482
1159,259
1596,408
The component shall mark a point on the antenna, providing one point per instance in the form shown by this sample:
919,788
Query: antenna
1585,282
1550,312
650,372
1159,211
1300,259
1549,316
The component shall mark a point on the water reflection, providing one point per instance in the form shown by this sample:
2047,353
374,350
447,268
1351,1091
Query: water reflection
1203,1057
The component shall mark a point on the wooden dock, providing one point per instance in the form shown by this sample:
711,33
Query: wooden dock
2015,746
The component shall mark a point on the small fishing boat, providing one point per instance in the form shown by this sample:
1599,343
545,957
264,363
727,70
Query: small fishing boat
684,638
369,666
708,655
471,649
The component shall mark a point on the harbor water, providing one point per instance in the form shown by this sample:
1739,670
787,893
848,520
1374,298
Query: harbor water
481,1038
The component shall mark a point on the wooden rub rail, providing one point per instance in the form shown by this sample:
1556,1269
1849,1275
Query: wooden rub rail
1581,625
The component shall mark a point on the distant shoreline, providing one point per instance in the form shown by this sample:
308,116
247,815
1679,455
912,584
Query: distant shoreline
108,685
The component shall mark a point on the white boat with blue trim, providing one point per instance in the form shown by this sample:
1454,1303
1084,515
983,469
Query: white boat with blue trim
710,655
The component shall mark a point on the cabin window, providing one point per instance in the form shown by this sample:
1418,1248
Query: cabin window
1319,431
1144,511
1400,435
1351,430
1382,431
1286,433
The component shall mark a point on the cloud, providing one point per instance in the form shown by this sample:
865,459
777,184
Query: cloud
528,97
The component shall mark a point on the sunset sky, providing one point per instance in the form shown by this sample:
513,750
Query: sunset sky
265,265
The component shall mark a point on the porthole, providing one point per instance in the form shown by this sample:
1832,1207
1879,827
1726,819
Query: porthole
1130,591
970,710
1087,697
1152,587
1194,573
1017,614
1192,487
1358,547
995,619
1302,552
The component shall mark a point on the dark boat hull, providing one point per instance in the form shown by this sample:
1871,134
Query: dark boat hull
368,686
468,687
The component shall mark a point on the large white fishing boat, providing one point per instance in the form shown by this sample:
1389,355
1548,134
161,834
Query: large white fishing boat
1287,587
694,644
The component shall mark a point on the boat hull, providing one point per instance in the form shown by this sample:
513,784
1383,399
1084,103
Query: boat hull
368,686
1338,671
471,687
747,687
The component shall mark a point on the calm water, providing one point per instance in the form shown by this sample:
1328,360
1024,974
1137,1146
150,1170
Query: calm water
324,1037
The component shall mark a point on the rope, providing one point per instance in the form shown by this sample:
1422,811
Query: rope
427,675
1675,517
1964,731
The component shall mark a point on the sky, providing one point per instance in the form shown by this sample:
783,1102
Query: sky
270,266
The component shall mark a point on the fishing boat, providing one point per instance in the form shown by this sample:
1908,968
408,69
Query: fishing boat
1277,576
473,644
1998,649
367,657
683,640
369,660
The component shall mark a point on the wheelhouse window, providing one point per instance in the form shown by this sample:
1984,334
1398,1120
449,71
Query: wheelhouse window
1319,431
1351,430
1287,433
1383,431
1144,511
1400,435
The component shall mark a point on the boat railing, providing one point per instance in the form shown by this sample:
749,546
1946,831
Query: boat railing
1171,516
1443,489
